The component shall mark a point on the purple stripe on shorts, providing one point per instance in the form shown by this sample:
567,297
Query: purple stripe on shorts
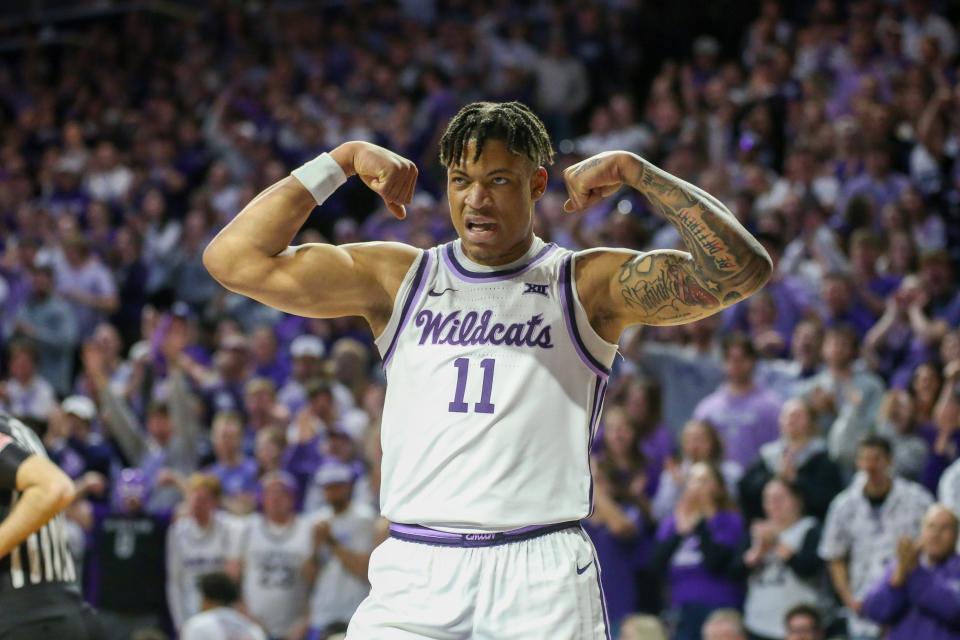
426,535
416,290
570,319
603,598
479,277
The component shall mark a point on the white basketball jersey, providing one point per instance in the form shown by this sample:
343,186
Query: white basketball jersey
495,381
192,552
274,588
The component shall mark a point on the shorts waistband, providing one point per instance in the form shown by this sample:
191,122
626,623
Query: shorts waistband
426,535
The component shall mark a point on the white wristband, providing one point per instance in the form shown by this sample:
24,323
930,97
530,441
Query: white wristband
321,176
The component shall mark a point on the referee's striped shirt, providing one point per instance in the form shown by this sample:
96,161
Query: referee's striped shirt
44,557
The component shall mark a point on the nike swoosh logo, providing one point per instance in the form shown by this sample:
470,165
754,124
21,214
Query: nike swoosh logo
580,571
437,294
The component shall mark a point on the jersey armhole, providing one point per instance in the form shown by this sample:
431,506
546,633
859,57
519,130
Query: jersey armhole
596,353
410,291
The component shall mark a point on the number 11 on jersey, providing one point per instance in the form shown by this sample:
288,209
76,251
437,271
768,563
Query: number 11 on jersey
484,406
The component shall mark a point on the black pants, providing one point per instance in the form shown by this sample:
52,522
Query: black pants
80,624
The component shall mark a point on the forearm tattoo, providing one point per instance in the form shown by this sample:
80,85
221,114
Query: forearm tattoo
727,262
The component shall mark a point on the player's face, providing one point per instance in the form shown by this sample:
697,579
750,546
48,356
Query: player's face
491,202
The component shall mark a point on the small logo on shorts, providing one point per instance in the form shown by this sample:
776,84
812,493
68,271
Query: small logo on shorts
536,288
585,567
476,537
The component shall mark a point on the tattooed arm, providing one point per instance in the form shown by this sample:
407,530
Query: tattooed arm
723,264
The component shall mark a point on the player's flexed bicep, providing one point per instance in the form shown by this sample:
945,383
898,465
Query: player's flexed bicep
661,287
252,256
724,264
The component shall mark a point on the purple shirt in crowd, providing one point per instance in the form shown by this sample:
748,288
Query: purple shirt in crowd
927,606
689,579
240,478
620,559
745,422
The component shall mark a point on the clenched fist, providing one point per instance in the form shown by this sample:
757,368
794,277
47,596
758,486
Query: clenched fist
598,177
388,174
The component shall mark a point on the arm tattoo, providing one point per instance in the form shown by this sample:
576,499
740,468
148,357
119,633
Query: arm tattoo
664,287
727,261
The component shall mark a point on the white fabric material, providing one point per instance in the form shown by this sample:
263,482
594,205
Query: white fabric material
220,623
546,587
486,424
773,588
192,552
321,176
274,589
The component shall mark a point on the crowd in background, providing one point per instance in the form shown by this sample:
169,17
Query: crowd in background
796,454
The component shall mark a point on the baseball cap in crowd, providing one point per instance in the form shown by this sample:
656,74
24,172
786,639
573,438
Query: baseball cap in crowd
307,347
80,406
334,473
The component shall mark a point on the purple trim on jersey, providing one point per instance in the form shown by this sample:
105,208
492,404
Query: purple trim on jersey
598,392
416,290
479,277
603,597
570,319
426,535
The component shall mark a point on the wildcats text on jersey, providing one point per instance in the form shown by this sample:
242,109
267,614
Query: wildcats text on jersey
476,329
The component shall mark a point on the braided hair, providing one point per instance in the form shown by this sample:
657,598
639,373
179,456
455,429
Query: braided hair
512,122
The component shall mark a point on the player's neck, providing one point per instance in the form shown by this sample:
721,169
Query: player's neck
522,253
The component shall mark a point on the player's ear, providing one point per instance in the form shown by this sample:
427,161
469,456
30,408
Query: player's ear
538,183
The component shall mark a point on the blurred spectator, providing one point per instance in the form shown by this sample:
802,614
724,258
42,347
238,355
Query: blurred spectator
781,561
218,615
685,373
897,423
845,399
26,393
863,525
917,595
79,449
48,321
620,522
699,442
199,542
694,549
307,353
169,441
803,622
724,624
800,457
640,400
85,283
343,537
237,475
270,556
129,547
640,627
787,376
743,410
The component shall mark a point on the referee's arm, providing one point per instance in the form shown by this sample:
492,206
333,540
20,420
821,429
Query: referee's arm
44,490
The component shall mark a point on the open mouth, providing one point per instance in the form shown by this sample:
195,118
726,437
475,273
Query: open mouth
481,226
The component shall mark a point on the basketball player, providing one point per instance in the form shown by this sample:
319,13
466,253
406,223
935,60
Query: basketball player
497,349
39,594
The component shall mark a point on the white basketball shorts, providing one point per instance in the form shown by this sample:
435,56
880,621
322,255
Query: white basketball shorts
531,583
